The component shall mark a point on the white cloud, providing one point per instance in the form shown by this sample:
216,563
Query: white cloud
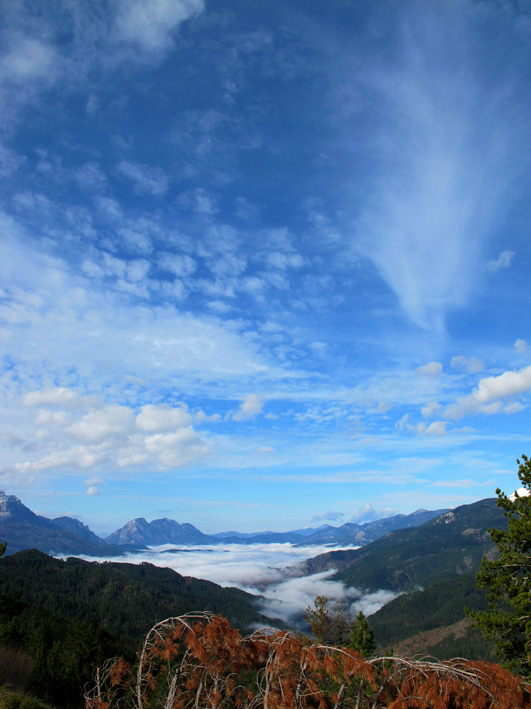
521,492
262,568
468,364
368,513
158,418
436,428
503,261
443,141
54,396
146,179
175,449
432,369
93,491
102,425
151,24
486,397
30,60
521,345
250,407
372,602
179,264
430,409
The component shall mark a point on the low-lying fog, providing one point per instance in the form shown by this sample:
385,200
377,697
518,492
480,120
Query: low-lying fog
265,570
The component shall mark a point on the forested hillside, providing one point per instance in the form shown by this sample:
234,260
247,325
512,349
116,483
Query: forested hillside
67,617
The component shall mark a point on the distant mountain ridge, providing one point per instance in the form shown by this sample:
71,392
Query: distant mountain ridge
168,531
23,529
449,545
160,531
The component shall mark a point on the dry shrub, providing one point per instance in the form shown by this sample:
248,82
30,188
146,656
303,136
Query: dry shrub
198,660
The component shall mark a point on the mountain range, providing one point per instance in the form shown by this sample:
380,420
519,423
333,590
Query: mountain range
167,531
23,529
431,565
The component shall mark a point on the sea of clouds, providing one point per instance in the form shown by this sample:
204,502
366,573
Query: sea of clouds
266,570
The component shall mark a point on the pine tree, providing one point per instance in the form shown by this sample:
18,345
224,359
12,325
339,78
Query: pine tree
317,618
507,623
361,636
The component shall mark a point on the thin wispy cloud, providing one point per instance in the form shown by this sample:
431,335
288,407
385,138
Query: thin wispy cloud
447,159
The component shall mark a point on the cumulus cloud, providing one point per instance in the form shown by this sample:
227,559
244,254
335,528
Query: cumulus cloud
503,261
486,397
90,433
92,490
250,407
368,513
102,425
521,345
157,418
431,369
472,365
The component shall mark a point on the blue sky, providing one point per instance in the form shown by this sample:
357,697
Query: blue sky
263,265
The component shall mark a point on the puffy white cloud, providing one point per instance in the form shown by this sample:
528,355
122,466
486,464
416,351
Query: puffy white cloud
250,407
486,396
155,418
110,435
506,384
92,490
521,345
521,492
503,261
368,513
102,425
175,449
468,364
431,369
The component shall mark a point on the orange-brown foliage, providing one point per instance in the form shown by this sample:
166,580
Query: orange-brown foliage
199,660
